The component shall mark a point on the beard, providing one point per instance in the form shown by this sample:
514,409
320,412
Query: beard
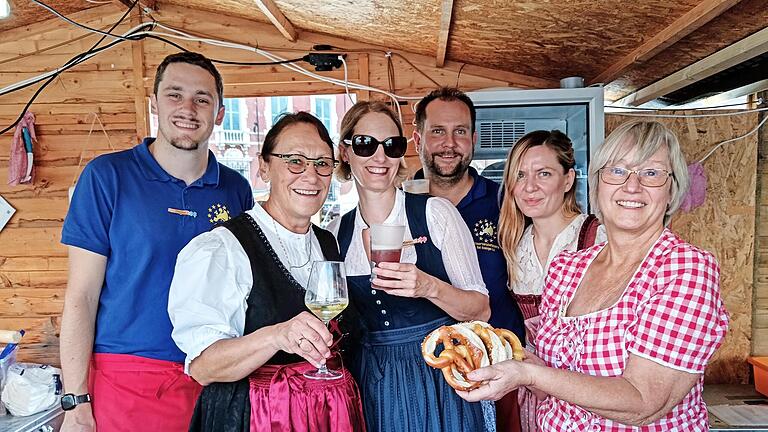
185,143
447,174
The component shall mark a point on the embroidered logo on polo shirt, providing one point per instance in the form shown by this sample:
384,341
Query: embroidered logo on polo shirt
485,233
218,213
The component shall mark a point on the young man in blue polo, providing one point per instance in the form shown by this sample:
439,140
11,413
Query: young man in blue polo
445,138
130,215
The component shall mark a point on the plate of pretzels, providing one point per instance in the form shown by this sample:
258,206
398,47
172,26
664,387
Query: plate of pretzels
468,346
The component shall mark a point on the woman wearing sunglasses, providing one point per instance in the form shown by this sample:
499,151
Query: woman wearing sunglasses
435,283
237,300
628,326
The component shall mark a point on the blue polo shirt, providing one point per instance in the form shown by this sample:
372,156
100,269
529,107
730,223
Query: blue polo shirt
480,211
120,209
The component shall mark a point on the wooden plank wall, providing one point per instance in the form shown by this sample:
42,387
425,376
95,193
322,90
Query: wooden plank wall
724,225
33,265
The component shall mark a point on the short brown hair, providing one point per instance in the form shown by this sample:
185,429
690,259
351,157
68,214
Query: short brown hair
348,124
195,59
286,120
446,94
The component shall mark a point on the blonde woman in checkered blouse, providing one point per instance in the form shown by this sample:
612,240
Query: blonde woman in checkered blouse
627,327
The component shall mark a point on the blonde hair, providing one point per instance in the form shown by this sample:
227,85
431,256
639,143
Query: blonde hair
512,221
351,118
644,138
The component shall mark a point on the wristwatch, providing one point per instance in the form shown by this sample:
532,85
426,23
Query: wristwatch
69,401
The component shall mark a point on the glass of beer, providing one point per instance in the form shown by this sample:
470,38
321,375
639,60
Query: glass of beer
416,186
386,243
326,297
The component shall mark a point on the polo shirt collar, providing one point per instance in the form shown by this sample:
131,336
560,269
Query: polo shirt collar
477,191
154,172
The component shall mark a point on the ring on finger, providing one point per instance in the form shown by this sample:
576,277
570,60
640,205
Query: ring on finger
301,339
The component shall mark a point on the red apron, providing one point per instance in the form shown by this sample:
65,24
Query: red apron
283,400
132,393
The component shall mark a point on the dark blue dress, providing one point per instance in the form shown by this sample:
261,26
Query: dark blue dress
399,391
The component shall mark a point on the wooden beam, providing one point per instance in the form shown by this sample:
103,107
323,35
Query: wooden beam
445,28
743,50
139,91
270,9
703,13
364,77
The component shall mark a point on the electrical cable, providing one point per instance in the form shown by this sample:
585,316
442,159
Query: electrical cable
759,101
83,26
346,78
73,61
135,34
692,115
753,131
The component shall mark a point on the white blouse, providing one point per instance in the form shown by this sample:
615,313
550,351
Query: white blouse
530,272
213,278
447,231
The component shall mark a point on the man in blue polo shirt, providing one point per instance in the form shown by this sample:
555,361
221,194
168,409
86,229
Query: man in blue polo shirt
445,138
130,215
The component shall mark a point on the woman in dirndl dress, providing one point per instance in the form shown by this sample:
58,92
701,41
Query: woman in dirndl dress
237,301
434,284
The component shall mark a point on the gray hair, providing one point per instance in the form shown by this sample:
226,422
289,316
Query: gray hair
644,138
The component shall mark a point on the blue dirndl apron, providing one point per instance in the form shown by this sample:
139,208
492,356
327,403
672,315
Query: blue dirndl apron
400,391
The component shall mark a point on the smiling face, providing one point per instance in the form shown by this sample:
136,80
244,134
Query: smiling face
295,198
378,172
187,107
632,207
446,145
541,183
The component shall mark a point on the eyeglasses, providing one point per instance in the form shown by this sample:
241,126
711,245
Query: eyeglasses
648,177
297,163
366,145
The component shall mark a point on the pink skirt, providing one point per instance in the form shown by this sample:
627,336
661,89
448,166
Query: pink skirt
282,399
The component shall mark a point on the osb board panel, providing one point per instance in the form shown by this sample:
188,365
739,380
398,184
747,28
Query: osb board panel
417,23
743,19
724,225
555,39
760,309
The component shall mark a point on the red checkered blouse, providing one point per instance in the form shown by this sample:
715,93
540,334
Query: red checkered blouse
671,313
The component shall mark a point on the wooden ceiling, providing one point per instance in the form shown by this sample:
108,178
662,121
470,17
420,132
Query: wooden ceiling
624,44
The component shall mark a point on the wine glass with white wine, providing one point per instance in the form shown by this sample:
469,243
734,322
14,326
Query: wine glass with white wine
326,297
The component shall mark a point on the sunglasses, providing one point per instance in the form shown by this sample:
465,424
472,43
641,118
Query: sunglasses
365,145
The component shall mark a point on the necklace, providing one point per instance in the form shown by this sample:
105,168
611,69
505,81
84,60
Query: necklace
285,250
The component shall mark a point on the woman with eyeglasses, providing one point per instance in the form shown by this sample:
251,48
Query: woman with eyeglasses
237,300
435,283
628,326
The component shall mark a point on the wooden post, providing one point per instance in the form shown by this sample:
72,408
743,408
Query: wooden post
363,77
139,92
760,278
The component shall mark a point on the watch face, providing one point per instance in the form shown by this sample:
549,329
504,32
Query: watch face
68,402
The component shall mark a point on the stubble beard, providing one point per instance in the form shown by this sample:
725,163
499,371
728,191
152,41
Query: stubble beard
185,144
447,177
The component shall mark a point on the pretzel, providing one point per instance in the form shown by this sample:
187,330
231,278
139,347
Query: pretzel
468,346
518,352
